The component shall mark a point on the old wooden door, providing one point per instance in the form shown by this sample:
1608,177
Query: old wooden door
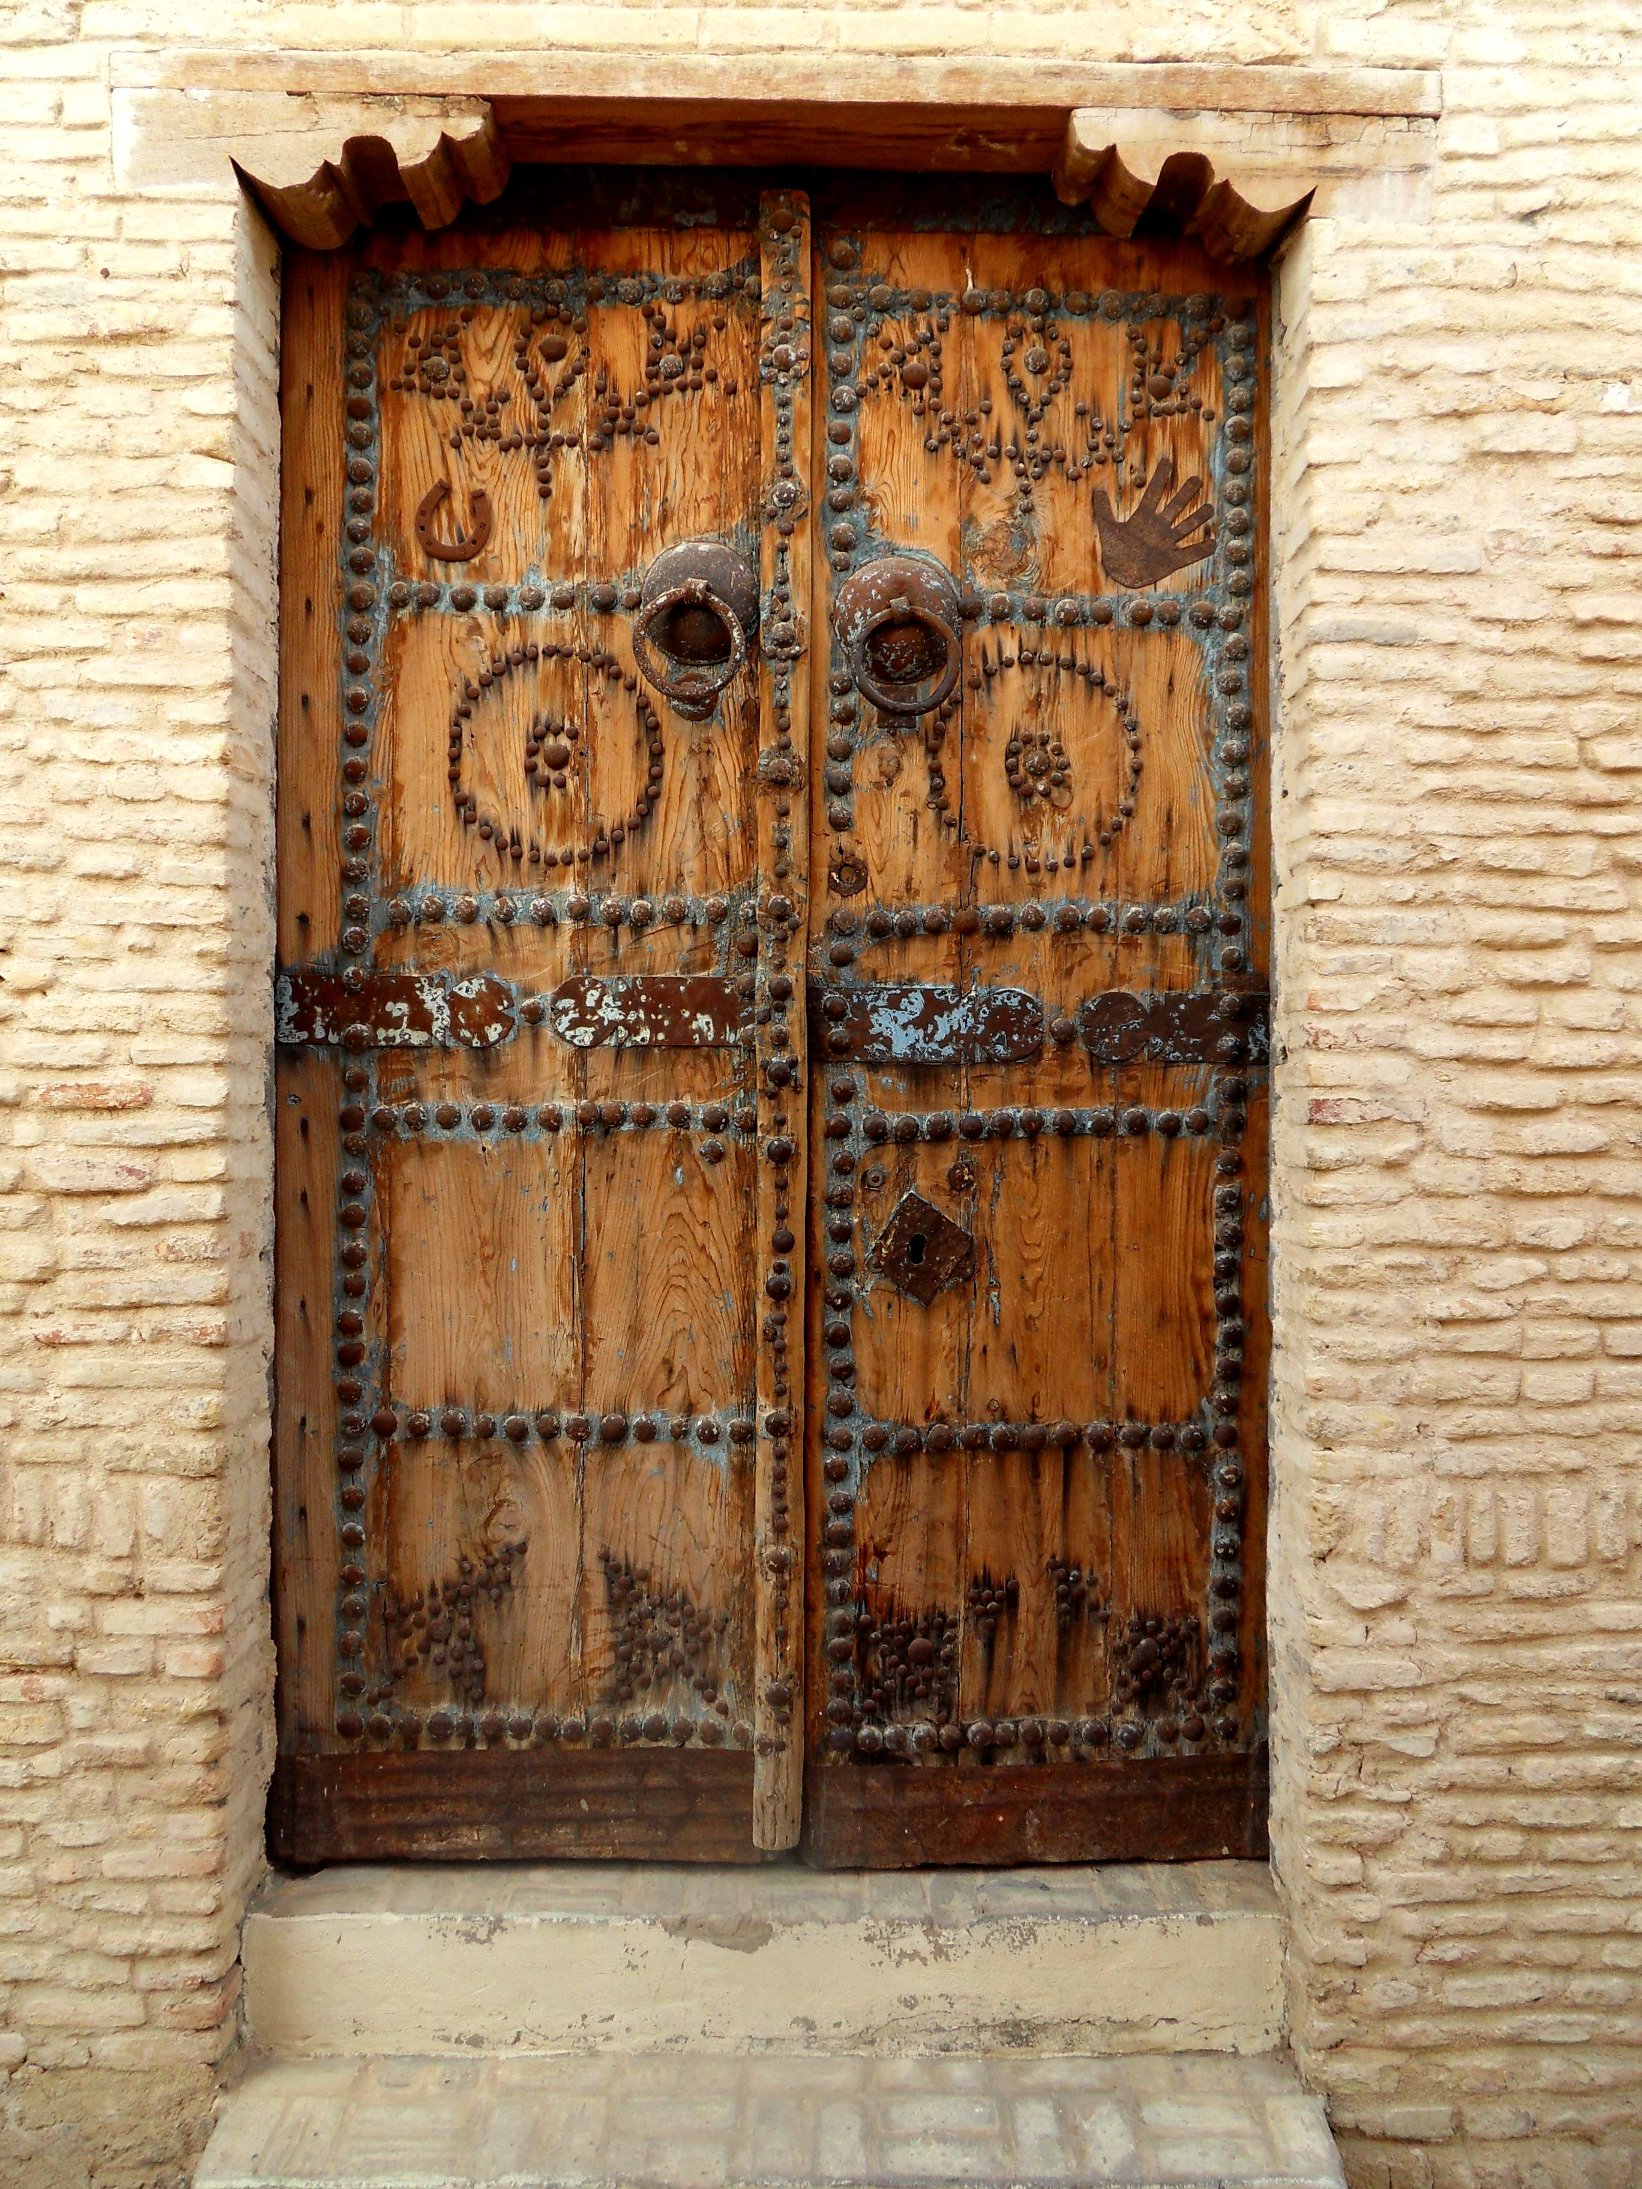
641,743
1038,1341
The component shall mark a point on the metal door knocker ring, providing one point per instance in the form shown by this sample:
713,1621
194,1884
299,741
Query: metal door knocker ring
466,544
899,622
697,618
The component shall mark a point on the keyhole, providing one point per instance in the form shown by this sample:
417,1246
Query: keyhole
915,1247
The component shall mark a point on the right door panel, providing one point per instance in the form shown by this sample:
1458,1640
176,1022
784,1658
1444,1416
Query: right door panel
1037,978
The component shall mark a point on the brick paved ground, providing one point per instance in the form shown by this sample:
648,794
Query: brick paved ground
694,2123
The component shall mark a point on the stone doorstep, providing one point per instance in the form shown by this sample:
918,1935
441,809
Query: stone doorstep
554,1958
648,2121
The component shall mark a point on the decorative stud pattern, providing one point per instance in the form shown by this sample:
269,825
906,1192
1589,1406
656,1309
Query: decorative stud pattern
887,343
1158,1679
781,1037
857,931
1038,768
434,1629
550,760
559,400
564,905
549,1120
708,1436
905,1667
893,1694
558,404
661,1639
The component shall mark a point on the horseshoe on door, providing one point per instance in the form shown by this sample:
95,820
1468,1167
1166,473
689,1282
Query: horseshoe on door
466,544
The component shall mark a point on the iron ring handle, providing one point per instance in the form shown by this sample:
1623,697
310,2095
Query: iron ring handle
900,590
698,684
702,574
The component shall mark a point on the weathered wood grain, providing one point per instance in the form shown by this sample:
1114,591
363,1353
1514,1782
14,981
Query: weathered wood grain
307,1089
511,1806
912,91
1169,1809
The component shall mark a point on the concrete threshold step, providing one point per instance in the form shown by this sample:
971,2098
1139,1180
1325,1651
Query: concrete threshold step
557,1958
681,2121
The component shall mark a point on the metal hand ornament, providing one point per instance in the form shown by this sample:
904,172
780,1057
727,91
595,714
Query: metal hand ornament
1157,535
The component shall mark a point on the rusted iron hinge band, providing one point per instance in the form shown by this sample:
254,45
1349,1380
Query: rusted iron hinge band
905,1023
1181,1026
646,1011
362,1010
375,1010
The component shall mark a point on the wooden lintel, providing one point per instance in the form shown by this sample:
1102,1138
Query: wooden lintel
1231,155
534,83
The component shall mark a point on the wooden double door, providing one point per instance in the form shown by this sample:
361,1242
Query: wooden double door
771,1020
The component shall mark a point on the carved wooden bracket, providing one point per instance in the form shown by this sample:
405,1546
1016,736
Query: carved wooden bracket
1237,181
441,154
319,165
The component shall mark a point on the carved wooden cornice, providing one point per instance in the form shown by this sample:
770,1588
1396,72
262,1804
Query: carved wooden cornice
1236,182
1231,173
322,165
441,154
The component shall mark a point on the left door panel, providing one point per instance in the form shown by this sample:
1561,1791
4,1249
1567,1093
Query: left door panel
538,880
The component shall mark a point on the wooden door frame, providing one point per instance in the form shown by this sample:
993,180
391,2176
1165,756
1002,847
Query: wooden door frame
376,130
351,1802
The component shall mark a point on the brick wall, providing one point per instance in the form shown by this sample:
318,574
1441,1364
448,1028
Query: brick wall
1457,1624
1459,1632
138,446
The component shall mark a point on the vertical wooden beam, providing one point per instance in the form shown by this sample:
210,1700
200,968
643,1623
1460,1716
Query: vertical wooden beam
308,1087
783,894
